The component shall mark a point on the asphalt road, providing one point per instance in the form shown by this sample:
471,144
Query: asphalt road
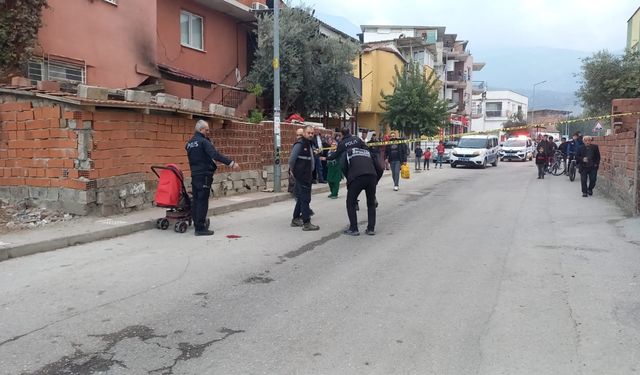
471,272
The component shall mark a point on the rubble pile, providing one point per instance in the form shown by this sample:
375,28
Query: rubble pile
27,215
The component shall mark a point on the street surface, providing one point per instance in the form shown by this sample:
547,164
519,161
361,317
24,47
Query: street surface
471,272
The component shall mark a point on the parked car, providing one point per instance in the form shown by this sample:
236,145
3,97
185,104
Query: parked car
448,148
476,151
520,148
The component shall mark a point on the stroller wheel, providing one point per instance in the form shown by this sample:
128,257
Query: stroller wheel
159,223
181,227
164,223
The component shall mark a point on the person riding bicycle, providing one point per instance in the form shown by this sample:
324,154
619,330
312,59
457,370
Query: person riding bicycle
573,146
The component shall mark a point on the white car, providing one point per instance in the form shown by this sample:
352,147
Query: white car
476,151
521,149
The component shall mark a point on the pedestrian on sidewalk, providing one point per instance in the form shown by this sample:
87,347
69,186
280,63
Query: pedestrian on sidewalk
396,154
588,160
302,163
202,157
440,154
317,154
418,154
427,158
292,180
334,172
363,173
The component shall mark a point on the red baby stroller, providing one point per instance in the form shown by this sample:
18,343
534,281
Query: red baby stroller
172,194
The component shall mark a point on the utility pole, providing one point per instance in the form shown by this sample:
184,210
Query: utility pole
533,109
277,170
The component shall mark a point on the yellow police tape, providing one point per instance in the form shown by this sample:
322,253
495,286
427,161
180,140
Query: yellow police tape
528,126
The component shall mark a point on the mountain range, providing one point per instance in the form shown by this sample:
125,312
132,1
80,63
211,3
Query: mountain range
519,68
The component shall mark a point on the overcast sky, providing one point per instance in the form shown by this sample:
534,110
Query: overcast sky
571,24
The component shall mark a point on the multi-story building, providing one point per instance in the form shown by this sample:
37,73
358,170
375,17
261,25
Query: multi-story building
633,31
379,62
198,49
439,52
491,109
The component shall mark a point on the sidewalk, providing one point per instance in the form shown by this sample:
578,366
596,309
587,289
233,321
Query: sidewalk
89,229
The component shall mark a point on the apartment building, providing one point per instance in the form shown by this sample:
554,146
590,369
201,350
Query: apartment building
442,53
633,31
491,109
200,49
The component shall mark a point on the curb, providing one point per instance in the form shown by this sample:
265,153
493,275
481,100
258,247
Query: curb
105,234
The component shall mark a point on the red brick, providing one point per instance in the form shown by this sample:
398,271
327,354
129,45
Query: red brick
42,182
11,181
37,124
15,106
24,116
8,116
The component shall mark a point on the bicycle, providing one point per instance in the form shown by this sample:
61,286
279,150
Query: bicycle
557,165
571,169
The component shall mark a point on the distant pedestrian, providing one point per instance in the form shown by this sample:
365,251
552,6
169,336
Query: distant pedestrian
317,155
334,173
202,156
396,154
427,158
588,160
439,154
301,162
418,154
541,160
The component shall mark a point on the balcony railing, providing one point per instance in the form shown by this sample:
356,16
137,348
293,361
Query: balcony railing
497,113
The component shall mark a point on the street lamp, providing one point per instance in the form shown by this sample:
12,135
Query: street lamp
533,105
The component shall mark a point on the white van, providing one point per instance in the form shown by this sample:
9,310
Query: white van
520,149
476,151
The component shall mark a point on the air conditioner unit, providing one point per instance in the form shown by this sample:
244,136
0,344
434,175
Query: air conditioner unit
259,6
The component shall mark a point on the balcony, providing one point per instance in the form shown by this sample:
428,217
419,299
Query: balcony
456,80
458,55
497,114
479,87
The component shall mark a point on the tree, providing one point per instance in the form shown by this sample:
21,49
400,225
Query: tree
414,107
312,67
605,77
20,21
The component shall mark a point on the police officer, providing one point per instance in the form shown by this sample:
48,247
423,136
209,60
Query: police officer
202,155
347,142
363,173
301,165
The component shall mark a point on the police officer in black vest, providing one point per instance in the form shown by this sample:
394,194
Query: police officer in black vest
202,155
302,164
363,173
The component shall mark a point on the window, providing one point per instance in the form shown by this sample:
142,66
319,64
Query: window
191,30
494,109
55,70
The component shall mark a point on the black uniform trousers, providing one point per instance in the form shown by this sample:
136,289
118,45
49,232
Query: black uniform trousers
303,200
368,183
201,189
588,177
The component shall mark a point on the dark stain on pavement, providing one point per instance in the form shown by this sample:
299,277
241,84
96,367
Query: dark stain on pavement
80,363
311,245
103,361
190,351
258,280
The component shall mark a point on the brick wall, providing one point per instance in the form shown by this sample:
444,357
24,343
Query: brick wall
625,123
99,161
618,174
